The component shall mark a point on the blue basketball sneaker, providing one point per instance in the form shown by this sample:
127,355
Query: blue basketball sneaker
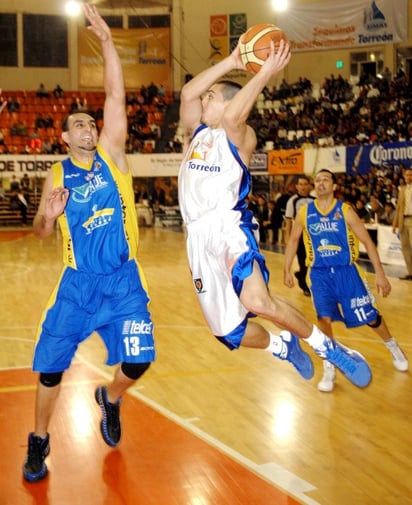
110,425
351,363
291,351
35,468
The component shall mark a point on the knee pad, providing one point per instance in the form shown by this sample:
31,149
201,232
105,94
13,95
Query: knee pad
377,323
134,370
51,379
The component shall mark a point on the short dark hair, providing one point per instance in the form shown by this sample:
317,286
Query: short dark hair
65,122
328,172
229,88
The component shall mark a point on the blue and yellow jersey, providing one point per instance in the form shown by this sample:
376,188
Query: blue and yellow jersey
329,240
99,224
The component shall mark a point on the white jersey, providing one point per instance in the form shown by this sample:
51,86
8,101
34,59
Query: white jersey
222,241
212,176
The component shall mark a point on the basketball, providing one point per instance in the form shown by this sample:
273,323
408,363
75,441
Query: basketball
255,44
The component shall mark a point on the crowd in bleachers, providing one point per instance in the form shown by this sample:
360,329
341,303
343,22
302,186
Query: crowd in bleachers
30,122
301,114
336,112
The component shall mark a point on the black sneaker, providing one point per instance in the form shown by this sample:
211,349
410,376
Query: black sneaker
35,468
110,425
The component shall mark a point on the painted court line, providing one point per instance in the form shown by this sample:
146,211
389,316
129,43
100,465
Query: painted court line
271,472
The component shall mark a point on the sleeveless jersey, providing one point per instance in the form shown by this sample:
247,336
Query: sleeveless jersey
212,177
99,223
329,241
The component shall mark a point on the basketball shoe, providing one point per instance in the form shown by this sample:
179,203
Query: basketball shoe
400,361
351,363
110,425
291,351
327,383
35,468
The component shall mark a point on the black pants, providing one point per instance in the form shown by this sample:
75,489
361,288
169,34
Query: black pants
301,273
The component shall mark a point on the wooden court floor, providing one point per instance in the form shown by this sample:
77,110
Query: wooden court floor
204,426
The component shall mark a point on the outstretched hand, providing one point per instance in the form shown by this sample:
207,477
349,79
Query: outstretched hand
277,59
97,23
56,202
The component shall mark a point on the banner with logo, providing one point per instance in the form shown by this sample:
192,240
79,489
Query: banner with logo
285,162
345,24
144,54
389,247
224,33
360,158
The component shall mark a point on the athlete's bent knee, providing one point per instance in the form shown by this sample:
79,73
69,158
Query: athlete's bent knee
376,323
134,370
51,380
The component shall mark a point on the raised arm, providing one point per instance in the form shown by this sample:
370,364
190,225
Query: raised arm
114,132
237,112
192,91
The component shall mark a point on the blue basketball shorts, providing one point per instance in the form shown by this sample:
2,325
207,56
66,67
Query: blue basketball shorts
113,305
343,294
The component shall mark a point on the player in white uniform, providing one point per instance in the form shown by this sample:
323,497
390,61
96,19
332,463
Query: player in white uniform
228,270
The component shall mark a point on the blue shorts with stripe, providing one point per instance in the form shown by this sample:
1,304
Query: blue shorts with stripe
343,294
114,305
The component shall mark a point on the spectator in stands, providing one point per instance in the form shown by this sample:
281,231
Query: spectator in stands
361,210
158,194
57,147
388,214
25,183
14,183
58,91
262,216
271,225
42,91
18,201
13,105
46,147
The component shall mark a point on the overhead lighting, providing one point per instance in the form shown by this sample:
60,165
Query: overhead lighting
280,5
72,8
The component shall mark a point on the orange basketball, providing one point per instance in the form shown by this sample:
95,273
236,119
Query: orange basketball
255,44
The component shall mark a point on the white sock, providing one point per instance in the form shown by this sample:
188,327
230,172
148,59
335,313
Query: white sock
275,345
316,339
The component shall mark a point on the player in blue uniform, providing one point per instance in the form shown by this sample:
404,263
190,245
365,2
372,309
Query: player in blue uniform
102,287
331,232
228,270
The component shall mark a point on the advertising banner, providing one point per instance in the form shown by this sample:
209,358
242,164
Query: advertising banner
346,24
144,54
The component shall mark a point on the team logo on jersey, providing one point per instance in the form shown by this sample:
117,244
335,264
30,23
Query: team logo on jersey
98,219
83,193
199,285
